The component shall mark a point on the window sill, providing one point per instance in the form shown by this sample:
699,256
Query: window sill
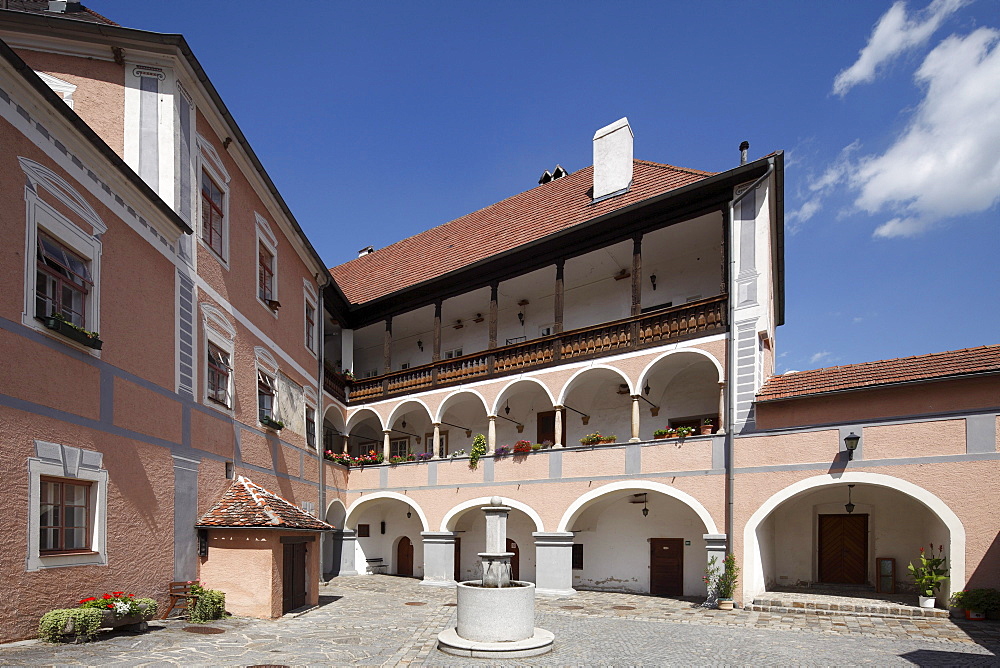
219,258
272,305
65,553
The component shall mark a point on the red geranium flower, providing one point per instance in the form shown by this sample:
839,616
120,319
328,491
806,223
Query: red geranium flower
110,605
107,596
117,593
87,600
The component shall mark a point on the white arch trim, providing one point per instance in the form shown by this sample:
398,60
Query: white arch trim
463,507
444,404
753,570
578,506
649,367
515,381
353,419
569,383
353,511
399,409
329,509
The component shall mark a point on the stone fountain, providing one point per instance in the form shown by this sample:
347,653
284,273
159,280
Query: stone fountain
496,615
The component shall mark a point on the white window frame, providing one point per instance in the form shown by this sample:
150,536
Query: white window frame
310,298
266,238
208,160
452,354
41,214
267,366
217,329
310,400
73,464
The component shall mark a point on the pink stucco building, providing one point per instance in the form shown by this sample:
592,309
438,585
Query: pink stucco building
172,329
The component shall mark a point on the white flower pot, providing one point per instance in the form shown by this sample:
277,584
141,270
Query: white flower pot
927,601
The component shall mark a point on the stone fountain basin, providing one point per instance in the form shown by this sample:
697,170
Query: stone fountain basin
496,614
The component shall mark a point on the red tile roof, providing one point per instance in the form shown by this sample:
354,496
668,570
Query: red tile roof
531,215
985,359
85,14
246,504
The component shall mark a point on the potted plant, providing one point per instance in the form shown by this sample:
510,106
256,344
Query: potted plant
591,439
977,603
396,459
706,426
348,376
536,447
112,610
684,432
502,451
546,444
424,456
722,582
57,322
929,575
605,440
479,448
661,433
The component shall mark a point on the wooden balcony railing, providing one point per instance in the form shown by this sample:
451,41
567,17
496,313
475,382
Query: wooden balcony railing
691,320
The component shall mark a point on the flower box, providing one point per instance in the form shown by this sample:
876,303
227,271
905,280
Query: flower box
71,331
271,423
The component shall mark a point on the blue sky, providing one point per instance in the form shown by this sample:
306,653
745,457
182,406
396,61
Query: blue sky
379,120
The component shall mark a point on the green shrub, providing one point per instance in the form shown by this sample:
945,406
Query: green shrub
151,606
979,600
211,604
86,621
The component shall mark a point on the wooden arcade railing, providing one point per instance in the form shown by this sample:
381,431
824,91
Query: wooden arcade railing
669,325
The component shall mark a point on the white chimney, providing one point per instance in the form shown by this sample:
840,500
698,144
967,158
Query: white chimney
612,159
367,250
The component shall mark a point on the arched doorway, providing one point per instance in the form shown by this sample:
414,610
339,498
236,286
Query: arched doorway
622,548
515,561
798,536
333,541
381,521
404,557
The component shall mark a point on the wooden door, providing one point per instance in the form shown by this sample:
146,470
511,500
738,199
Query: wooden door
843,549
515,561
404,557
293,577
547,426
458,559
666,566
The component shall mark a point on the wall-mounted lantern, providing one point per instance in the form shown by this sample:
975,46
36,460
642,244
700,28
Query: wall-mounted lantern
652,280
851,443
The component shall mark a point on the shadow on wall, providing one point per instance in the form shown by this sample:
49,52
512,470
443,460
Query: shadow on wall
987,573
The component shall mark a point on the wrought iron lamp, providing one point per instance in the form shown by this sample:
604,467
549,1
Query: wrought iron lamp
849,507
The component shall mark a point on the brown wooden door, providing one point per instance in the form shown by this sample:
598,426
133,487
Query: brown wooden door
666,566
293,577
843,549
547,426
458,559
404,557
515,561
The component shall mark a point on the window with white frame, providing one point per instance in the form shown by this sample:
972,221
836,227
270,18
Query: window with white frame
213,214
218,375
310,299
399,447
62,282
265,273
310,327
63,252
67,512
310,426
452,354
64,515
267,265
265,396
219,340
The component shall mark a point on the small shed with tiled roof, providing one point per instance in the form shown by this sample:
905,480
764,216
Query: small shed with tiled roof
261,550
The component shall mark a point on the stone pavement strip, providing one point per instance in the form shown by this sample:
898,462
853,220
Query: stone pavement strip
367,621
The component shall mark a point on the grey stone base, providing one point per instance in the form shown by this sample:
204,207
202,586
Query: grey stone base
438,583
555,593
450,642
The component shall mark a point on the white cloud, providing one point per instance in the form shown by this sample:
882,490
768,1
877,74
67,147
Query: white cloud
894,34
819,188
946,162
819,357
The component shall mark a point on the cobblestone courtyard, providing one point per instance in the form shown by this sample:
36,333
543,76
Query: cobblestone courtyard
383,620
